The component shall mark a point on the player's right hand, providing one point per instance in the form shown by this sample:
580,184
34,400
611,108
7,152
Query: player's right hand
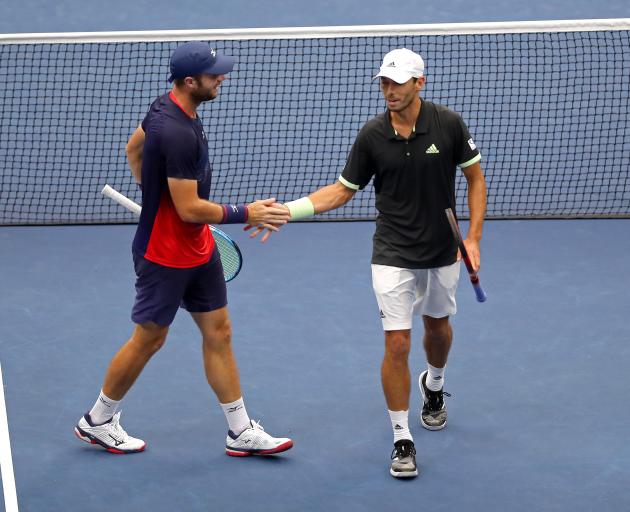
266,213
278,212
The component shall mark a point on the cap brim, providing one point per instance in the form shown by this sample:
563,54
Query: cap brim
398,76
223,64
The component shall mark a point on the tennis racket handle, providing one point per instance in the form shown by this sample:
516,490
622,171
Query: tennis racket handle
121,199
481,295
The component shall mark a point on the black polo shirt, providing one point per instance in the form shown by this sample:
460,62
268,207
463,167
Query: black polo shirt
414,181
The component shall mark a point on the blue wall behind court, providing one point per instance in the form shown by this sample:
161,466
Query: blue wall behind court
91,15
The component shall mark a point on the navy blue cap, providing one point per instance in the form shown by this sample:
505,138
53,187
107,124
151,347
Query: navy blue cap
195,58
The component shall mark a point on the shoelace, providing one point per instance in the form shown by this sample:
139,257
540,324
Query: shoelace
436,399
256,425
403,450
118,430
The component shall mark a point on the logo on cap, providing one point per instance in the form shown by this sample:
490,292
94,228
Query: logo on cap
195,58
401,65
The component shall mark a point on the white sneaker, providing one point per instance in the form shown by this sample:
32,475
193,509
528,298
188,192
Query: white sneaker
255,441
109,435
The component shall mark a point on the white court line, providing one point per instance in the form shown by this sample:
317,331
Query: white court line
6,463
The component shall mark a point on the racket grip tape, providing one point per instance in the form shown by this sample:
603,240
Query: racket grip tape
481,295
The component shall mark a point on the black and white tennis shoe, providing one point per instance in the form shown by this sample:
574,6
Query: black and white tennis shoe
110,435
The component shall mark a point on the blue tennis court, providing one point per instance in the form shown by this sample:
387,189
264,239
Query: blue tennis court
538,417
538,376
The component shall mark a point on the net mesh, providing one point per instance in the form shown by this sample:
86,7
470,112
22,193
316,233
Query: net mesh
549,112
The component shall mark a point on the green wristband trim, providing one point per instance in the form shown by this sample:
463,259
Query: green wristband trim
301,208
345,182
473,160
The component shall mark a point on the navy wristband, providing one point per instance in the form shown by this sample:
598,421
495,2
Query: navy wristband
233,214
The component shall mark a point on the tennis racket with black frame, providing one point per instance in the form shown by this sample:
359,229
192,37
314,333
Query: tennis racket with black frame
231,257
474,278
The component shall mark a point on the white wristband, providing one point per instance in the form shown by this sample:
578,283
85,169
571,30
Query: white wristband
301,208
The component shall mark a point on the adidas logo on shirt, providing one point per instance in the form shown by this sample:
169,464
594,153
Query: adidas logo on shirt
432,150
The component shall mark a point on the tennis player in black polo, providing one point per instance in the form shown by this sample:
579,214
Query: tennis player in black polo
412,150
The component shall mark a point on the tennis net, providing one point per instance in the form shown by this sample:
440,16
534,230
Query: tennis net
547,104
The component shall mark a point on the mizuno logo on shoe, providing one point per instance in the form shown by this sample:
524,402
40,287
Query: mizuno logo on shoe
117,442
432,150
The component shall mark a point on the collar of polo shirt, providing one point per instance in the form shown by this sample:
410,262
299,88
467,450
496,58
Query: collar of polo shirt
420,128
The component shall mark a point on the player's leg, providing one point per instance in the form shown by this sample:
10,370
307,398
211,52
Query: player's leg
218,357
101,425
245,437
132,357
436,302
395,378
394,290
158,294
437,341
395,375
206,300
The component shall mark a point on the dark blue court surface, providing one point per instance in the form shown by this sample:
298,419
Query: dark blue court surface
538,417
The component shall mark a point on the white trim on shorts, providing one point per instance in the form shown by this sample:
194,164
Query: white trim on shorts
402,293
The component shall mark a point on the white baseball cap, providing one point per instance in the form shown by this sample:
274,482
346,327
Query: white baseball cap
400,65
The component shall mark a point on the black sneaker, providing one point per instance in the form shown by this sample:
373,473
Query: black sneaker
433,415
404,459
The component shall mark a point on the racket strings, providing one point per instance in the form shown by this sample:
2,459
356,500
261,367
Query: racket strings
230,259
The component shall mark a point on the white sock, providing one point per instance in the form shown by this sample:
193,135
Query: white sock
435,378
104,409
236,416
400,425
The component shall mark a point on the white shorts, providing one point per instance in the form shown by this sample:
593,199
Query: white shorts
402,292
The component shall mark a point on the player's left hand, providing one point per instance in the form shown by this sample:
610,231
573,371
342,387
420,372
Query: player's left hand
472,248
259,229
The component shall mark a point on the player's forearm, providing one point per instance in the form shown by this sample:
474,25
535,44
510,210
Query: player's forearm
202,212
322,200
330,197
476,207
